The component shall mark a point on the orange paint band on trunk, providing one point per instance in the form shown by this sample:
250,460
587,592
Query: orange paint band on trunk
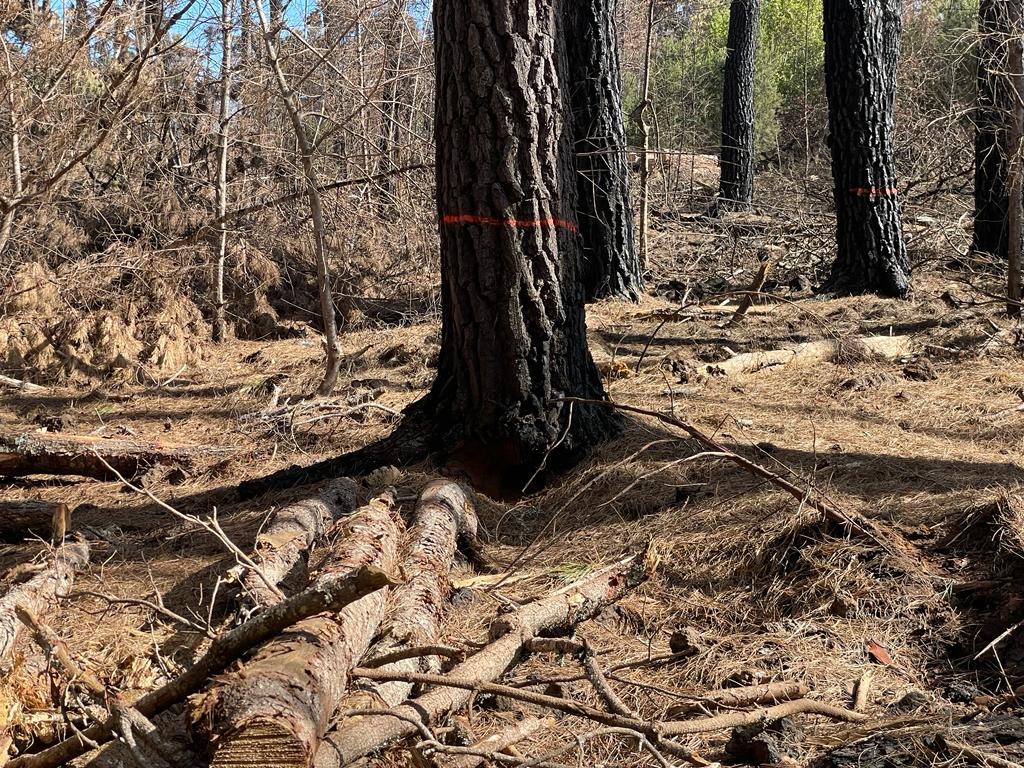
875,191
490,221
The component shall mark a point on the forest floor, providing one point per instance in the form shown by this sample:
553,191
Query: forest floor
929,444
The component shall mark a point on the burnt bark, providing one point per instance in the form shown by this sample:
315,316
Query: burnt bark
513,336
37,453
861,50
736,182
39,594
990,137
276,708
283,547
611,264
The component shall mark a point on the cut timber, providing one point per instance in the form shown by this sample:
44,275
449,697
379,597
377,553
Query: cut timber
25,519
557,612
329,594
443,513
282,549
42,453
275,708
889,347
38,593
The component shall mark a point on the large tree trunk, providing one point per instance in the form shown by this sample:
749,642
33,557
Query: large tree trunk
283,547
861,47
513,336
39,453
736,185
990,138
279,704
39,594
611,265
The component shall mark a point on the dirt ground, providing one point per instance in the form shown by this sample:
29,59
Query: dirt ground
929,444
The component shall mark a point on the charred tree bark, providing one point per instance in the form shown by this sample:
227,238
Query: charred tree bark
26,519
990,137
513,327
38,594
46,454
276,708
282,549
736,184
861,48
611,264
417,608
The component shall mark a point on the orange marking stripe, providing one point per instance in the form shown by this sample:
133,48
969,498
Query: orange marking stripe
874,191
490,221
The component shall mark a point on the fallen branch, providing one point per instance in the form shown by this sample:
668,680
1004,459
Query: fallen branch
745,696
975,755
500,741
331,594
754,289
283,547
42,453
889,347
559,611
39,593
281,702
24,386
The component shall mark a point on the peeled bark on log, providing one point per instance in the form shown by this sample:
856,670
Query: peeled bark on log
444,512
889,347
282,549
23,519
499,741
38,594
744,696
41,453
327,594
279,704
557,612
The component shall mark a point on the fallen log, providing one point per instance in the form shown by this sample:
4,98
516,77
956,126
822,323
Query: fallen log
277,707
39,593
283,547
444,512
889,347
42,453
332,593
557,612
24,386
742,696
43,519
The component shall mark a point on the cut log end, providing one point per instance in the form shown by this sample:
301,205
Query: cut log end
261,743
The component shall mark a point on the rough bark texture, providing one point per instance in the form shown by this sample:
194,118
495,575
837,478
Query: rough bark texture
736,185
558,612
417,607
328,594
274,710
513,328
38,594
861,46
282,549
990,138
611,264
26,519
39,453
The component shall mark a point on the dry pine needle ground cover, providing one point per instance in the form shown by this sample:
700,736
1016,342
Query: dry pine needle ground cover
764,590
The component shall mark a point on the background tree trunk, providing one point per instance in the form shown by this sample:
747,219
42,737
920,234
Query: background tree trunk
611,265
220,323
990,193
736,185
513,326
861,45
